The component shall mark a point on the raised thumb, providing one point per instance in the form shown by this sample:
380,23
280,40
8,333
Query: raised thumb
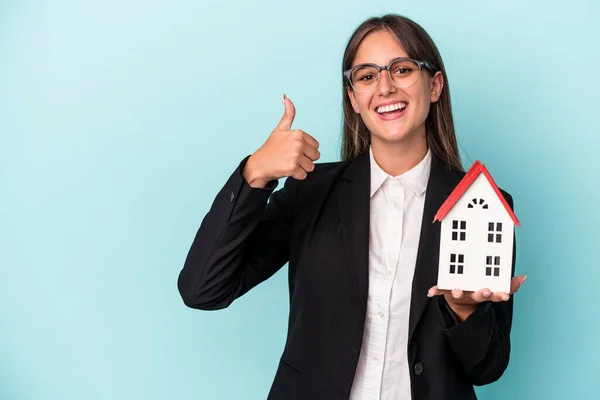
288,115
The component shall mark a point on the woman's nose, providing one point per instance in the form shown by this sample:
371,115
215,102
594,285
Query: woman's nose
385,84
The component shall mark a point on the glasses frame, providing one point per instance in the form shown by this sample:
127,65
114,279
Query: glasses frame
379,68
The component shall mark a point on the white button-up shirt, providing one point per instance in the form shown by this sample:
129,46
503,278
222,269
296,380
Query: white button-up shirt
396,211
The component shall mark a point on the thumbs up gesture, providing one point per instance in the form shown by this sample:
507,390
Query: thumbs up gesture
287,152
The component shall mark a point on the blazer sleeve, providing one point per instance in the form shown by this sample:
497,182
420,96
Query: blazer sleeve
243,240
481,343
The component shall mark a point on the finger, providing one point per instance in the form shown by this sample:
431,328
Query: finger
516,282
311,152
481,295
498,297
434,291
285,124
306,164
299,174
311,140
457,294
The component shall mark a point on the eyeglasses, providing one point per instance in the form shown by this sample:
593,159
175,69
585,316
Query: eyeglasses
403,72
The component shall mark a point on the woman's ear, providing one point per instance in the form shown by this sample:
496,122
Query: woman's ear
352,100
436,85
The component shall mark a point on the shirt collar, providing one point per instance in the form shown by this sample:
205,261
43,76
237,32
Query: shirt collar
415,178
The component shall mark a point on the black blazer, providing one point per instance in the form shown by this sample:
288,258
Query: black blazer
320,225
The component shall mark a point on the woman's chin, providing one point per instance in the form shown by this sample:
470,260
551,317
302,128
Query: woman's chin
391,137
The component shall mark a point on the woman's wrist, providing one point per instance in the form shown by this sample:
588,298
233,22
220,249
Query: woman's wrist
462,311
253,176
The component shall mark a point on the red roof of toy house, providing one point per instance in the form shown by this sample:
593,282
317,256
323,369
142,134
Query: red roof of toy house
462,187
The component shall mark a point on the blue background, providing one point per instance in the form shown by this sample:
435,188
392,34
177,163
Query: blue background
120,121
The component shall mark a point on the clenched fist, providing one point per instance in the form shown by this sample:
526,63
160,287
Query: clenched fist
286,153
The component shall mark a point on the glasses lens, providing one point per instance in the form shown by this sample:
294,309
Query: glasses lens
404,73
364,78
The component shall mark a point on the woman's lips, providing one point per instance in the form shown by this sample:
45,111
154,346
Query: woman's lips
392,115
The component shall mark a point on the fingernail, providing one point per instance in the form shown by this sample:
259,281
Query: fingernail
428,294
523,280
505,297
283,98
486,294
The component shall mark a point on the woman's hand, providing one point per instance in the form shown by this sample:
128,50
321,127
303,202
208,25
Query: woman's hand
286,152
463,303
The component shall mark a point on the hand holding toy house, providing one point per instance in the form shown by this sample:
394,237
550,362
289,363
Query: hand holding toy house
476,239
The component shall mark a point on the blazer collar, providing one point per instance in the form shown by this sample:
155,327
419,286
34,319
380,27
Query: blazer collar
441,182
354,207
354,204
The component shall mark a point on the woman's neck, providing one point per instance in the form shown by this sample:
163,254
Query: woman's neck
397,158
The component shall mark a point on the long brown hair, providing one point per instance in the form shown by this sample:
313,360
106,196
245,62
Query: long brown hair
417,43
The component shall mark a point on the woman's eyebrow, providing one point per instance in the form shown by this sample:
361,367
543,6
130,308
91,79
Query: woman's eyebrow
374,63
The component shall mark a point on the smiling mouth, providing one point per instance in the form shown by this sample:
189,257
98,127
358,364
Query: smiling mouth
400,106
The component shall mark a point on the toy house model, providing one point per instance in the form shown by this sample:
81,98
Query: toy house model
476,238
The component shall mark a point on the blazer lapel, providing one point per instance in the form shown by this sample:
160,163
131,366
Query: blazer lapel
354,207
440,185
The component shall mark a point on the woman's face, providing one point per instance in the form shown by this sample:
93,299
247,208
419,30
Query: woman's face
400,126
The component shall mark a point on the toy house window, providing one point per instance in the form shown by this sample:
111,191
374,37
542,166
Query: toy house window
478,203
492,265
495,232
457,263
459,230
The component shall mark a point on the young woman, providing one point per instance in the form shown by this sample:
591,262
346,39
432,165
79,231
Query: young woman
366,319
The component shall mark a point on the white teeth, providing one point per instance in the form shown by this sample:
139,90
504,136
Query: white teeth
391,107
